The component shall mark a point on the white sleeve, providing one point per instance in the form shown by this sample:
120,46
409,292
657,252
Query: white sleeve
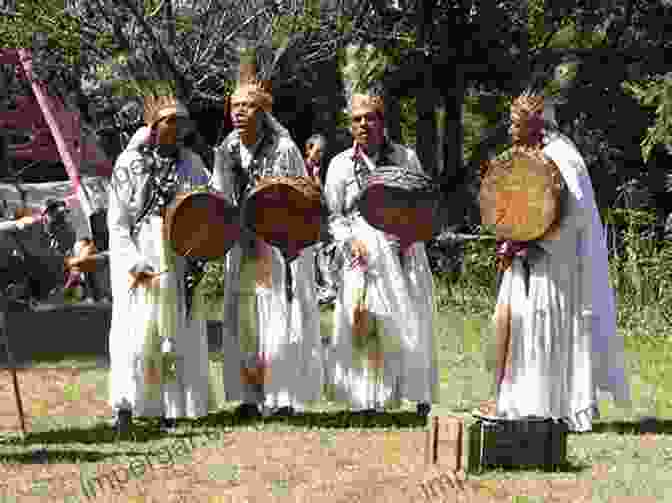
585,252
9,226
290,162
340,226
223,178
286,160
122,247
576,209
414,164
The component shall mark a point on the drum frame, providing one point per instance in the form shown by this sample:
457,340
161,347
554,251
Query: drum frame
229,226
420,225
297,230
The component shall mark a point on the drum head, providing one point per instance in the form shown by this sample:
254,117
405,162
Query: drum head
284,215
203,225
411,216
522,196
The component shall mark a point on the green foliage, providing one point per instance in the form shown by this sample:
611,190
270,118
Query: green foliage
536,22
211,285
152,7
474,122
184,23
286,26
473,290
364,64
655,93
409,120
62,30
640,273
479,263
135,88
344,25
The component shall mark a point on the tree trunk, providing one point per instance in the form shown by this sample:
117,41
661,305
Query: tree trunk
440,133
453,177
425,95
453,92
393,117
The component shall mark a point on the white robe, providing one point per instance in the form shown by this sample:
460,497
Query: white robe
289,337
400,297
134,312
563,339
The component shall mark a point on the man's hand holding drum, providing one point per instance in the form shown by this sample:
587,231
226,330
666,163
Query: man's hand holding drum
142,278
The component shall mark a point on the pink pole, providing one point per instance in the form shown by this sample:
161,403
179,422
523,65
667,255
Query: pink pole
68,143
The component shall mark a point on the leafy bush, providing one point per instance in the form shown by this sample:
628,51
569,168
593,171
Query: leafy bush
639,272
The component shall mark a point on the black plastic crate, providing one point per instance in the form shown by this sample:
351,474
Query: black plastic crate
523,443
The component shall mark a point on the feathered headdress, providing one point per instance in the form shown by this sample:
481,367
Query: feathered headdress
373,97
159,107
376,103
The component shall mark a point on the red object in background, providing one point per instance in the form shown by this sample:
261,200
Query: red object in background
55,133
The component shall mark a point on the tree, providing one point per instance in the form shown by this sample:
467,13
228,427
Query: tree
485,48
100,54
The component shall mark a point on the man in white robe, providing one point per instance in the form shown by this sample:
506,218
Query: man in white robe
563,344
271,349
397,359
158,354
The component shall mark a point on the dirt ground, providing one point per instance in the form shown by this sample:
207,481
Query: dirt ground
335,466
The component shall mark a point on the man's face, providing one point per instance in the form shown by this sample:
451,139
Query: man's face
367,127
314,152
244,114
525,129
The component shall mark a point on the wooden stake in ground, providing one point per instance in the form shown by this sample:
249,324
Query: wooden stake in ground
444,447
4,340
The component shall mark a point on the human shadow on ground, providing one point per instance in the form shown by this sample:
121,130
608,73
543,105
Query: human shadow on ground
148,429
53,456
39,448
567,467
143,430
643,426
336,419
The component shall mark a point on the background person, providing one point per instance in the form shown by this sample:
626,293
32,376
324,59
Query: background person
316,147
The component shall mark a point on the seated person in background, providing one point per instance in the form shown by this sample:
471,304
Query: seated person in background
325,279
316,145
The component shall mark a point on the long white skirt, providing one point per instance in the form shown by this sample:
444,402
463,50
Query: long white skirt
134,320
550,372
399,361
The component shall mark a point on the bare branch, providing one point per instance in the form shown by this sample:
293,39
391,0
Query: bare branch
162,52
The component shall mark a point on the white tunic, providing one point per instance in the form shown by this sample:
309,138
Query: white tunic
400,298
563,331
258,319
135,314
